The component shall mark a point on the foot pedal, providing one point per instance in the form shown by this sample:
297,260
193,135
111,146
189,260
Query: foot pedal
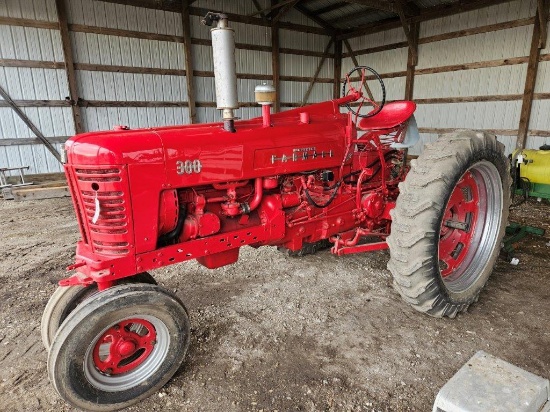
486,383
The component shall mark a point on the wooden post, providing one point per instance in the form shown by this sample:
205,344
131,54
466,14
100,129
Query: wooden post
69,63
186,24
542,7
529,91
412,61
337,68
276,66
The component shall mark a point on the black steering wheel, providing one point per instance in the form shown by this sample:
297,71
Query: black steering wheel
364,88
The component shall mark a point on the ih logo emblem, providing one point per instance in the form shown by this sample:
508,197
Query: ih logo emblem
188,166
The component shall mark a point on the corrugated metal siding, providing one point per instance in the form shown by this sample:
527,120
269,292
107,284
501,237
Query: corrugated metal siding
27,43
35,156
131,87
105,118
293,92
377,39
303,41
479,82
125,51
294,65
514,42
506,11
119,16
29,9
478,115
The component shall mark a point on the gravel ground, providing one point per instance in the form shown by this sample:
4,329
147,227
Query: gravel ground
271,332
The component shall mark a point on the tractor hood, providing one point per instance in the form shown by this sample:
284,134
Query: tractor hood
289,145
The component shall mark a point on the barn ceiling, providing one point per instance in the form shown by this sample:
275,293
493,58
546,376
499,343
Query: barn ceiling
344,18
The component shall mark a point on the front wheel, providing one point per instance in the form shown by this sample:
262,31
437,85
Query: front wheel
118,347
66,298
449,221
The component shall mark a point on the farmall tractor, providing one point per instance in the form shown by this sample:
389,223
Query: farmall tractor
298,179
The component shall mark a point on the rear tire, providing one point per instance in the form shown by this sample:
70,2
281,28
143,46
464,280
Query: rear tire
66,298
118,347
449,221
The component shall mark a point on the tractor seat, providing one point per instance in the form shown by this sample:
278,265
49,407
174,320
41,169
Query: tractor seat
391,115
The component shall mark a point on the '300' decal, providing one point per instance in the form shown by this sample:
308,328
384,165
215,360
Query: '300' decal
188,166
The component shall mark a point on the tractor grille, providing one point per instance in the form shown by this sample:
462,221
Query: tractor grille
111,233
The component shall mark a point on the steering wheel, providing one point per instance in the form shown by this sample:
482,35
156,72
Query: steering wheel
367,94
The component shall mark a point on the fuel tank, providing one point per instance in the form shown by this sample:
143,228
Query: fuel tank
536,166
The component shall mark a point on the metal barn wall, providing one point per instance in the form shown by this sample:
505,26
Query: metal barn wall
23,83
504,80
101,49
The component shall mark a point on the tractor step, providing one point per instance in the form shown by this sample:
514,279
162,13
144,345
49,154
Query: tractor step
486,383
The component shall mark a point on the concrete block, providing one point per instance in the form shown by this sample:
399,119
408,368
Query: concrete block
486,383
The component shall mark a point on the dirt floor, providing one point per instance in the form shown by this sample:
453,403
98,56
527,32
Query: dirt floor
271,332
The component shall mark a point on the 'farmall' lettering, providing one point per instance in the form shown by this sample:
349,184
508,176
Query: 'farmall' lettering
301,154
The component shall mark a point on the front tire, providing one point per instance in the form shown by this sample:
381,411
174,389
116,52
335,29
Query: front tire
118,347
449,221
66,298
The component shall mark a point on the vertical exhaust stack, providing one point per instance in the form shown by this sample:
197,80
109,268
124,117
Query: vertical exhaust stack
225,71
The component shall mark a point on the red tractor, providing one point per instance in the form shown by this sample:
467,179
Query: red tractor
298,179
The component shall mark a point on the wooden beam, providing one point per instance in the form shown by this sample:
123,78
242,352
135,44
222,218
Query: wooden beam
542,7
128,69
531,79
30,124
31,140
337,68
36,103
69,63
31,63
38,24
499,132
186,24
412,60
471,99
135,103
317,71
